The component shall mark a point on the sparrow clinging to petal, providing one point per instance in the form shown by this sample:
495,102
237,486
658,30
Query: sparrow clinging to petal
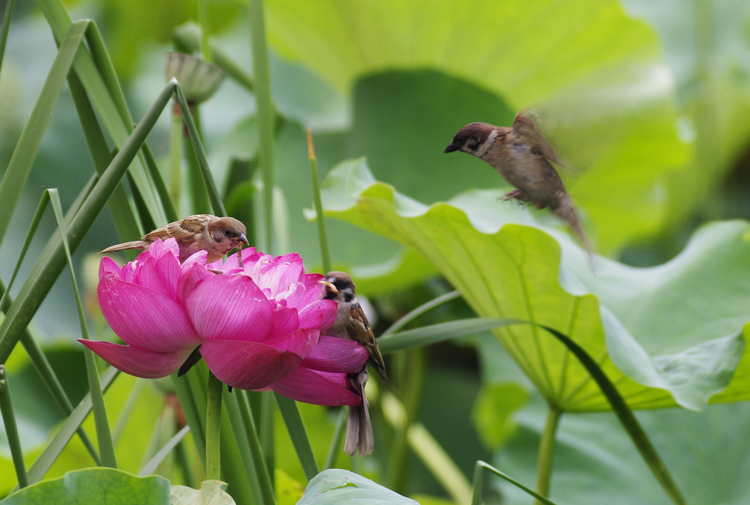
217,235
522,156
351,324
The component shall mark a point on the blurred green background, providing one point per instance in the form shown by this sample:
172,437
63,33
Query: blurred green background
647,104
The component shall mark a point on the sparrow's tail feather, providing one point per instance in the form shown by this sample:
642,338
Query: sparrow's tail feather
358,426
136,244
566,211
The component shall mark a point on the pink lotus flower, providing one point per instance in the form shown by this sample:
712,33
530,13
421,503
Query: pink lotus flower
324,377
256,323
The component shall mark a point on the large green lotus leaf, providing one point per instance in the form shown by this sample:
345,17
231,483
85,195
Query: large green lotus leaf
506,264
95,486
711,64
596,77
595,461
342,486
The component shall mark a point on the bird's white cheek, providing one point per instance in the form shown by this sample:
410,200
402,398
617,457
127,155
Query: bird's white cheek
487,144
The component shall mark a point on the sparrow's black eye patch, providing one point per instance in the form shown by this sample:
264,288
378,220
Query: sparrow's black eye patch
473,143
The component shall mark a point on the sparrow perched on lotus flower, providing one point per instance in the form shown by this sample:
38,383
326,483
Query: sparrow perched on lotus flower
217,235
352,324
522,156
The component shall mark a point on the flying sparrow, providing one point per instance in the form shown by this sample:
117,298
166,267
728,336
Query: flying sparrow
217,235
522,156
351,324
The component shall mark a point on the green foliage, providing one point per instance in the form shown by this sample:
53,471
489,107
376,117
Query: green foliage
96,486
599,76
648,115
211,493
474,238
342,486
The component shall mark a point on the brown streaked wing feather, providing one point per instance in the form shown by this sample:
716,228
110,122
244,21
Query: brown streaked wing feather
183,229
359,330
526,128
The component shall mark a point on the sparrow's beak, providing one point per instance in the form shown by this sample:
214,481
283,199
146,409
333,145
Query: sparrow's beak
452,147
242,239
330,286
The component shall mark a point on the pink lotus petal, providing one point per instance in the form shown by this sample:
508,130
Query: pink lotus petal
319,314
320,388
285,321
138,362
281,273
229,307
158,248
107,267
304,292
149,277
232,263
301,342
192,274
197,258
247,365
145,318
168,268
336,355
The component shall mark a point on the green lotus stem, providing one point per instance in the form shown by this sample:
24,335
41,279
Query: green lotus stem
297,432
5,28
213,428
11,429
203,18
333,449
480,467
546,450
265,115
325,256
175,158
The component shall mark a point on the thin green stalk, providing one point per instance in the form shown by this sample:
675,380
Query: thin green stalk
242,420
187,38
182,461
412,315
5,30
44,369
213,428
196,190
103,434
266,430
161,188
97,76
480,467
434,333
547,449
189,400
238,467
59,440
162,453
28,144
175,158
11,429
265,114
200,154
333,449
626,418
52,258
411,375
203,20
429,451
297,432
325,256
127,409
